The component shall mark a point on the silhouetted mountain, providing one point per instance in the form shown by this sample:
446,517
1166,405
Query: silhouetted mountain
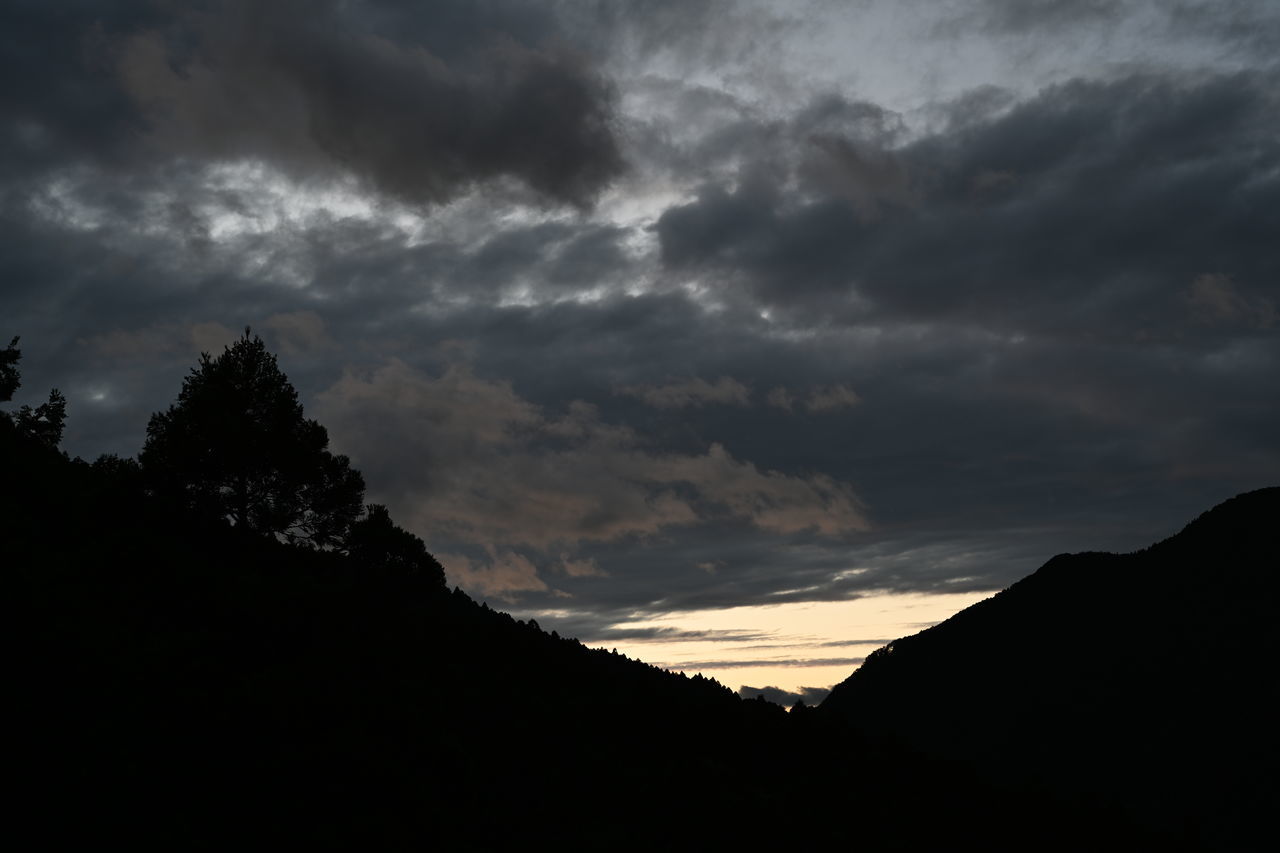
184,682
217,646
1146,677
233,680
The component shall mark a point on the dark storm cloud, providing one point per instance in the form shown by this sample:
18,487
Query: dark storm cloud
59,98
858,359
420,101
590,258
828,143
511,255
1005,433
1093,206
1017,451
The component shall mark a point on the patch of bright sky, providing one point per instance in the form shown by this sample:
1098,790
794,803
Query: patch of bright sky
809,644
629,208
248,197
519,296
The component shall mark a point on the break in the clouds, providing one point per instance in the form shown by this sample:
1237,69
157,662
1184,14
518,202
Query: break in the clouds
635,308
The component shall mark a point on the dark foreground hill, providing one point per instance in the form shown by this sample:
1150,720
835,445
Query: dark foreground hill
177,683
1149,678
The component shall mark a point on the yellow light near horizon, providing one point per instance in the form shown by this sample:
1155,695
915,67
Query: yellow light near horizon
790,645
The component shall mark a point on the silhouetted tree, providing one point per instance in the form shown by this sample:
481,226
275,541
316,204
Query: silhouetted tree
119,478
236,446
9,376
380,543
45,422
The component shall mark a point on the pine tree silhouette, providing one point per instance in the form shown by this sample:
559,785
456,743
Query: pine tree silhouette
236,446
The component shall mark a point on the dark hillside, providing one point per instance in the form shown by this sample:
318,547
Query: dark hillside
220,643
183,683
198,671
1148,677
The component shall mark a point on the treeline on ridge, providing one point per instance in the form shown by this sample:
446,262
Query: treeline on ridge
226,645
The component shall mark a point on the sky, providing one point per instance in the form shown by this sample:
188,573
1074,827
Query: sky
742,337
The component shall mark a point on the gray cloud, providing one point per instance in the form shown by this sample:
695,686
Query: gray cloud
492,469
1022,16
1109,198
1251,25
786,698
59,98
420,103
1000,325
685,34
694,391
825,399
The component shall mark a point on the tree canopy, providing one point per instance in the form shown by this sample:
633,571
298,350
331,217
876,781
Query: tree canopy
45,422
9,377
236,446
379,543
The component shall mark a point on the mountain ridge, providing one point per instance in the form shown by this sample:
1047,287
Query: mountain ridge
182,679
1141,675
181,682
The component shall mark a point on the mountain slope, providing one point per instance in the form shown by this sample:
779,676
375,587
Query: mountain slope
1148,677
179,683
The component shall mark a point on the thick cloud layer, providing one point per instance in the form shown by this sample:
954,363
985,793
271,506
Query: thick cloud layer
1092,209
421,103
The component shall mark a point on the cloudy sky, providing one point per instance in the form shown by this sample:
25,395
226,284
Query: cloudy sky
740,336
